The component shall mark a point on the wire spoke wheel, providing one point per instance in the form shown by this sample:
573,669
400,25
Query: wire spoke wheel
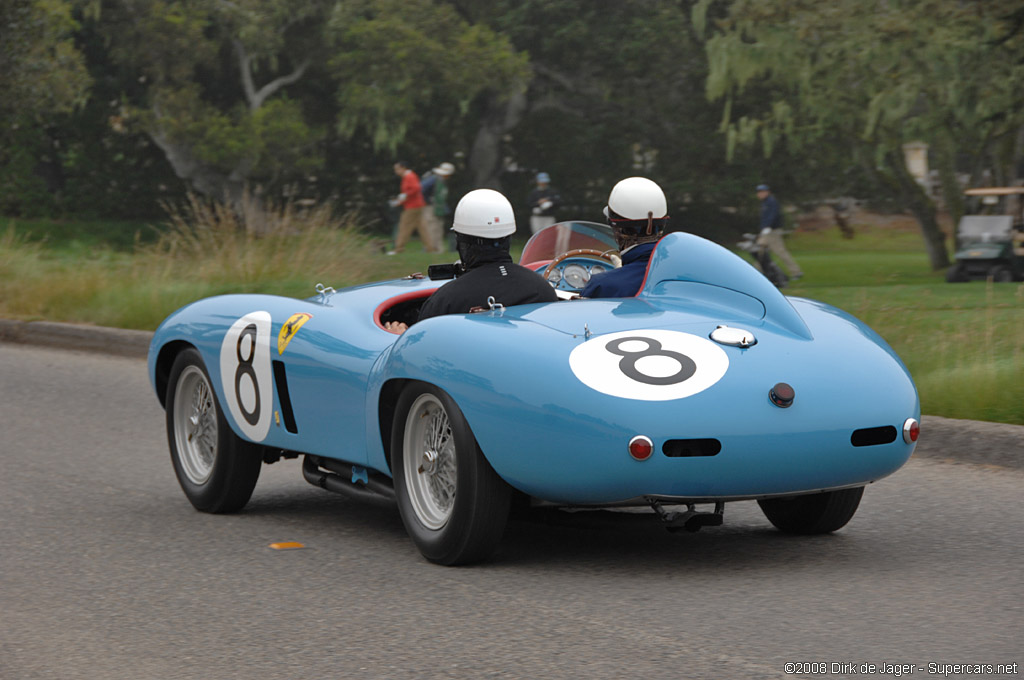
216,469
430,465
453,504
195,425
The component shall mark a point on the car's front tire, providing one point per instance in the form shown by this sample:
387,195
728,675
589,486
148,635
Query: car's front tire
818,513
452,502
957,273
216,469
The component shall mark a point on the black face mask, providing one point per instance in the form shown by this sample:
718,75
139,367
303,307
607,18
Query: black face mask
475,251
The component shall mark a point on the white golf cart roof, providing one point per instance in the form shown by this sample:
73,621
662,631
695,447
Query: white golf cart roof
989,227
994,191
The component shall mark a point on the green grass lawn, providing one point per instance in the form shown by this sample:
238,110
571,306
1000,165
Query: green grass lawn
963,343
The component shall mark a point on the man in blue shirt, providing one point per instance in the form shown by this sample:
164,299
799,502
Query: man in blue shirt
638,213
771,230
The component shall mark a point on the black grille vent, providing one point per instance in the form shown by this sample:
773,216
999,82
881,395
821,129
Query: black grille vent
691,448
874,436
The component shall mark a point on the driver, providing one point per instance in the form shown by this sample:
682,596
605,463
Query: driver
638,214
483,225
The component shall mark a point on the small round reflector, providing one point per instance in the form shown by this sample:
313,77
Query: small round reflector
782,395
911,431
641,447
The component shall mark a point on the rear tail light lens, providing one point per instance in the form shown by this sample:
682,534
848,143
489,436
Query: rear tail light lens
641,447
911,431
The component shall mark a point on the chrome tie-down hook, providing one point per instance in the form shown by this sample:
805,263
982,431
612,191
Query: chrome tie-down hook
324,292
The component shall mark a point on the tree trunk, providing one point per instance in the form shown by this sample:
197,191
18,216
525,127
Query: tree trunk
913,196
952,193
201,178
486,158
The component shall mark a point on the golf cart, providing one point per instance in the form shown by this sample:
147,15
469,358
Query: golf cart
990,240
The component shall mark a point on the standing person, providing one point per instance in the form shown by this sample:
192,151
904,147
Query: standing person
435,193
484,224
771,230
543,200
638,214
411,200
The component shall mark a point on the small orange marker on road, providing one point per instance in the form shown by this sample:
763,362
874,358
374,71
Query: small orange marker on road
289,545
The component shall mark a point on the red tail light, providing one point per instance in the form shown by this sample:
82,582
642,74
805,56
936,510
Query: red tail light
911,431
641,447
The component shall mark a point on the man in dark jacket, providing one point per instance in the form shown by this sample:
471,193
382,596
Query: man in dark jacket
484,223
543,200
771,230
638,213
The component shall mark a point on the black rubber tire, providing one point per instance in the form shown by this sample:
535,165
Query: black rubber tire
819,513
956,274
237,463
480,509
1001,274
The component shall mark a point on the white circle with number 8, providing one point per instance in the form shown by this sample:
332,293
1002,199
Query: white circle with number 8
246,376
649,365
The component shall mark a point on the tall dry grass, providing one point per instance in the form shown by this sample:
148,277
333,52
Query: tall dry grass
207,249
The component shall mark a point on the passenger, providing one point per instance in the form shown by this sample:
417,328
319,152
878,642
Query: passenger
484,223
638,213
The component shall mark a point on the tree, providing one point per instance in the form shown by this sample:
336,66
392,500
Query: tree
42,77
243,92
611,94
41,71
872,75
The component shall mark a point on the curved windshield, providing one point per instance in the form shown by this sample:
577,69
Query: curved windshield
565,236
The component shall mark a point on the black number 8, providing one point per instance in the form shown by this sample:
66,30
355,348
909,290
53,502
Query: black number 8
628,362
245,368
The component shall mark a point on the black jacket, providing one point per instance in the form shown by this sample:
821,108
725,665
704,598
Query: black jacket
508,283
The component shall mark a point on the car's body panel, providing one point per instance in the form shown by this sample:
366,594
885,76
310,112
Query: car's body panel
543,391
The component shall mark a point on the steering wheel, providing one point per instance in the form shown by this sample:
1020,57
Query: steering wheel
609,256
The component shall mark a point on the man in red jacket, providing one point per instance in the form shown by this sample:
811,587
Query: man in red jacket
411,200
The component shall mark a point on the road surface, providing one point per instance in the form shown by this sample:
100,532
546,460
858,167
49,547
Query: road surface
106,571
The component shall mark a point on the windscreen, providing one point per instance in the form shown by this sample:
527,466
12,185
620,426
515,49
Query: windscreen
985,227
565,236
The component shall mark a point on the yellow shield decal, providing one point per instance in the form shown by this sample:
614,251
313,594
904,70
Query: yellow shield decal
290,328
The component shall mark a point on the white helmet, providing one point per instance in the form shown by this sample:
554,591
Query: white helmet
637,198
484,213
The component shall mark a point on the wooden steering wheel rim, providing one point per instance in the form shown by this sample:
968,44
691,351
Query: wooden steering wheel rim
605,255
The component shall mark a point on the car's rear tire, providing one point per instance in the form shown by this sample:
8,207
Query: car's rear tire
1001,274
818,513
216,469
452,502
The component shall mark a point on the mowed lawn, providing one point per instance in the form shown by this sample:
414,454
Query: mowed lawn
963,343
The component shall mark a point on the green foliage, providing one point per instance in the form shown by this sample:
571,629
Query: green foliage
393,58
252,91
41,71
884,73
870,77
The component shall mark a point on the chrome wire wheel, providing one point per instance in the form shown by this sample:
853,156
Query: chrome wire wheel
195,425
429,461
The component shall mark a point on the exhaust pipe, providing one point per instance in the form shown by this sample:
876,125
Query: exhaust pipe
371,487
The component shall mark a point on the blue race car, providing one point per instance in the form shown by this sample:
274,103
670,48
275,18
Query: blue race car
709,386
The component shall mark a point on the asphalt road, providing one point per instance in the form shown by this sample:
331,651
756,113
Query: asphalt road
106,571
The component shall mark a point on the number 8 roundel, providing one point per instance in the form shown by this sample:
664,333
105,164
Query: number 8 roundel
246,376
649,365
